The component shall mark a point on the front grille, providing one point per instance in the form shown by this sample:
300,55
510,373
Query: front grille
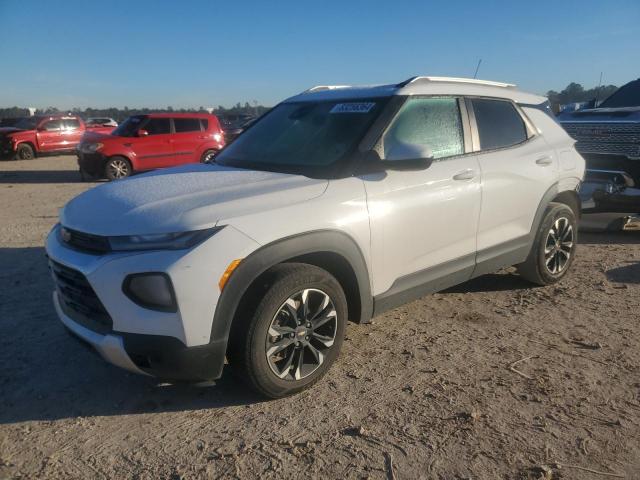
78,300
606,138
85,241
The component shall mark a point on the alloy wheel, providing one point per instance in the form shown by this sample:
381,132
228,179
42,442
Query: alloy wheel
118,168
301,333
559,245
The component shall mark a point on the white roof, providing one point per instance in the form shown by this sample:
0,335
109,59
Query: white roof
422,86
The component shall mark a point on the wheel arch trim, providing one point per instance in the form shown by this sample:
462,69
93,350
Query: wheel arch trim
265,257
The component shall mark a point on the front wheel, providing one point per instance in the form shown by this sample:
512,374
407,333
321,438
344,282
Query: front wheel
25,152
295,332
554,247
117,168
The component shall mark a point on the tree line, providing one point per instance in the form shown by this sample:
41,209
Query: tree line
574,92
120,114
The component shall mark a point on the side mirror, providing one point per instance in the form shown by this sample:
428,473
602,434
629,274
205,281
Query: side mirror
407,156
142,132
401,151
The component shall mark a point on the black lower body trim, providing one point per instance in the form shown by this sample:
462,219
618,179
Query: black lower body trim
169,359
448,274
430,280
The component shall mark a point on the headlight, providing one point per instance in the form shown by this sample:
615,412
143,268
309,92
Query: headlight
92,147
163,241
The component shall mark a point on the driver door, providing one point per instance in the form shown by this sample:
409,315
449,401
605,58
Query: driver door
155,149
424,222
50,136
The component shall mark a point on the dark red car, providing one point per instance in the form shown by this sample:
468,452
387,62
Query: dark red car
147,142
49,134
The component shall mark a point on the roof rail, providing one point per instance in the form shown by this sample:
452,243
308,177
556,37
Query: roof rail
317,88
455,80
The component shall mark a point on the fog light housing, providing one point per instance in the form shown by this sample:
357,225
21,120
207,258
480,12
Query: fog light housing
152,290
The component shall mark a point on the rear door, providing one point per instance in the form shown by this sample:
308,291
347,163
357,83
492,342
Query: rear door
187,139
518,167
154,150
71,133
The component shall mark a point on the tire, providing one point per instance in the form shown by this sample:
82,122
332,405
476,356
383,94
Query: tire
117,168
208,155
270,323
554,247
25,152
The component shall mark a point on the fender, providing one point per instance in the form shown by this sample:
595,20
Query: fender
265,257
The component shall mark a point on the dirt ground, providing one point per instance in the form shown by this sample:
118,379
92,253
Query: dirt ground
490,380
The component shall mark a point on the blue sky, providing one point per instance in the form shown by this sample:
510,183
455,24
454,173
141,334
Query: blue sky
191,53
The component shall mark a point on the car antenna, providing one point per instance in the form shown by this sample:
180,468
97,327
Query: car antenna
595,102
475,75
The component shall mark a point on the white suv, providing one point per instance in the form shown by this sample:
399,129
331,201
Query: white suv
338,204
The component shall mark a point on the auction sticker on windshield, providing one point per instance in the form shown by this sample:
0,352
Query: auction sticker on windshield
354,107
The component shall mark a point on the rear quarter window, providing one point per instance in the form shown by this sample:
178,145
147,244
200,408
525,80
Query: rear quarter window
499,123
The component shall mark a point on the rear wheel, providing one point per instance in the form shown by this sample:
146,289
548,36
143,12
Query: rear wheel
295,332
25,152
117,168
208,156
553,250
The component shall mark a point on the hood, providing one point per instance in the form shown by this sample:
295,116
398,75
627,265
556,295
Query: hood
8,130
624,114
182,199
92,135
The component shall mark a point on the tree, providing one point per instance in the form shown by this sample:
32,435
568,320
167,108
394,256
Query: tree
574,92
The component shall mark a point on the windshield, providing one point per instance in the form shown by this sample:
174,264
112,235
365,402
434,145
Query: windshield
302,137
27,123
130,127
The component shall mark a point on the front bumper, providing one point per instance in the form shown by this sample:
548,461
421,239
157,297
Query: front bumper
91,163
609,191
110,347
6,148
169,345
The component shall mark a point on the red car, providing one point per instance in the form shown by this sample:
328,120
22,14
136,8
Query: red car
147,142
49,134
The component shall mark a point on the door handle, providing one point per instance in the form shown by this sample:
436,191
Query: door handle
467,174
544,161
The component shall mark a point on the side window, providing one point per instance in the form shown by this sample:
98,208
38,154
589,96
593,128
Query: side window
431,122
204,124
186,125
157,126
53,125
70,124
499,123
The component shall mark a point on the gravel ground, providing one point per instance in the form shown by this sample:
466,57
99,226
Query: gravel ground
491,379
